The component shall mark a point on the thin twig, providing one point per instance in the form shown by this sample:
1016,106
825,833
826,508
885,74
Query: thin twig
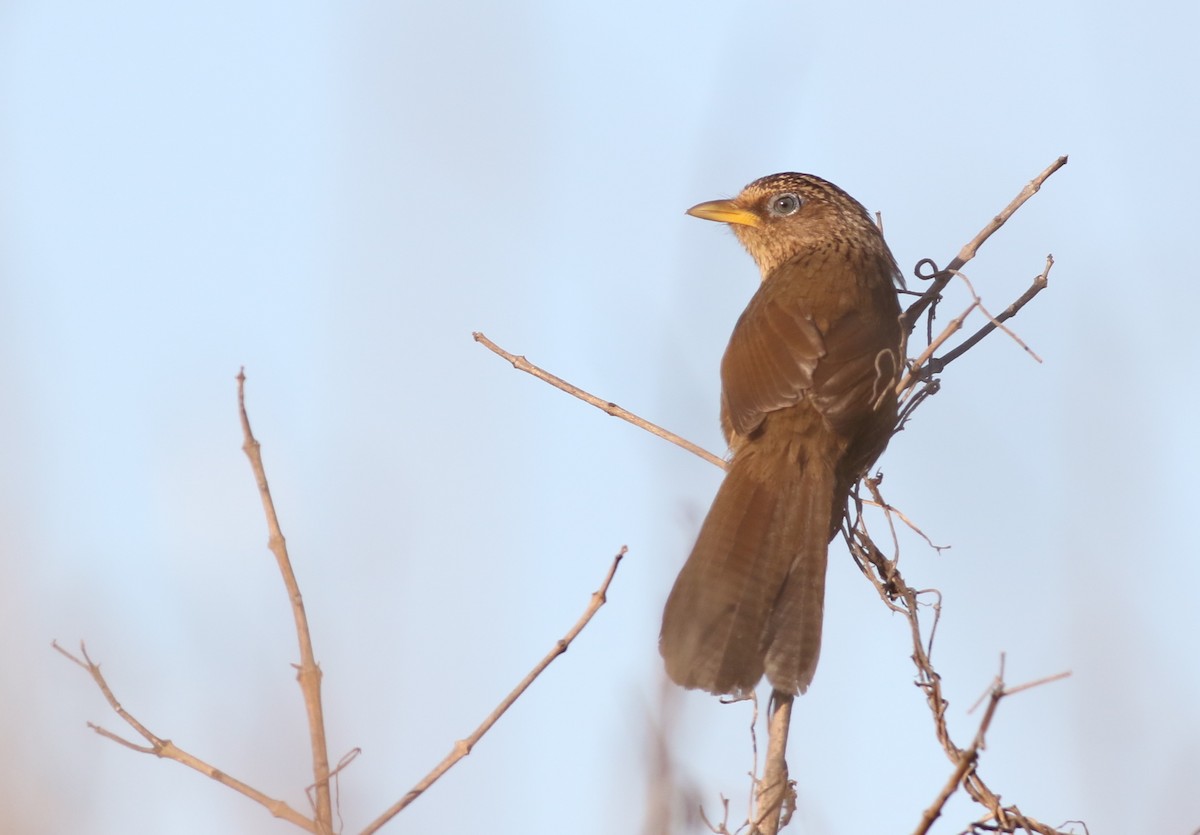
522,364
899,596
166,749
993,322
1039,284
754,782
909,523
918,307
926,365
308,674
966,761
911,378
723,827
463,746
1009,691
969,758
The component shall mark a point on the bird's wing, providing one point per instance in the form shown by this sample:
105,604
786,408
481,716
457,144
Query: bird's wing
858,376
769,364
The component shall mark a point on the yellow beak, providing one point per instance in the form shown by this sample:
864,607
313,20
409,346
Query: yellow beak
725,211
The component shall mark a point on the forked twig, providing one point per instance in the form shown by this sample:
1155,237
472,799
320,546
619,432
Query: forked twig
309,676
308,673
969,758
167,749
1040,282
899,596
925,366
914,311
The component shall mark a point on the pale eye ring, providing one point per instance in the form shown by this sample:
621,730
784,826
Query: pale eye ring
782,205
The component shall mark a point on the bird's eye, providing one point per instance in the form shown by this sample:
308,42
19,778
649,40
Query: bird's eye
782,205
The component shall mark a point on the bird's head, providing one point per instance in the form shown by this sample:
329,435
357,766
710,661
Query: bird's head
784,215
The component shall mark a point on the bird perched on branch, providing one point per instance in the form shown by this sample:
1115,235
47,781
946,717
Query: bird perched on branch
808,402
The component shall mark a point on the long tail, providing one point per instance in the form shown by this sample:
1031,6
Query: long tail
751,597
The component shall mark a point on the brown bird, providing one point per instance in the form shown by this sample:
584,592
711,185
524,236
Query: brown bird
808,402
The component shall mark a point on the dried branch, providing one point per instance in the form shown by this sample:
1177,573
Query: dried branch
463,746
1039,284
925,366
721,828
955,325
968,252
776,797
923,371
993,322
969,758
908,523
522,364
899,596
166,749
308,674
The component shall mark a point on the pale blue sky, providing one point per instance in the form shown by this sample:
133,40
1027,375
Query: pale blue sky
336,195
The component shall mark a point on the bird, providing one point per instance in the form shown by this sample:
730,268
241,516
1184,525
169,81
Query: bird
808,403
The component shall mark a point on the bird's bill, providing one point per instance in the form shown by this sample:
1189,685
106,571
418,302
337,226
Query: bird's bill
724,211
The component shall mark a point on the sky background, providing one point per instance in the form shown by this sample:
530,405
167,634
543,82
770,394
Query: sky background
336,195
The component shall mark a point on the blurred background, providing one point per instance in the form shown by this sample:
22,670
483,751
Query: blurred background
336,195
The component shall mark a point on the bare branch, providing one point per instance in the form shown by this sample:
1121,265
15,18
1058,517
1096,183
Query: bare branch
968,252
911,378
926,366
966,761
1039,284
463,746
1010,691
168,750
776,797
723,827
993,322
899,596
892,510
522,364
308,674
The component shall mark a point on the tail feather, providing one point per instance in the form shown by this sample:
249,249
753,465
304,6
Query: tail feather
793,638
751,596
